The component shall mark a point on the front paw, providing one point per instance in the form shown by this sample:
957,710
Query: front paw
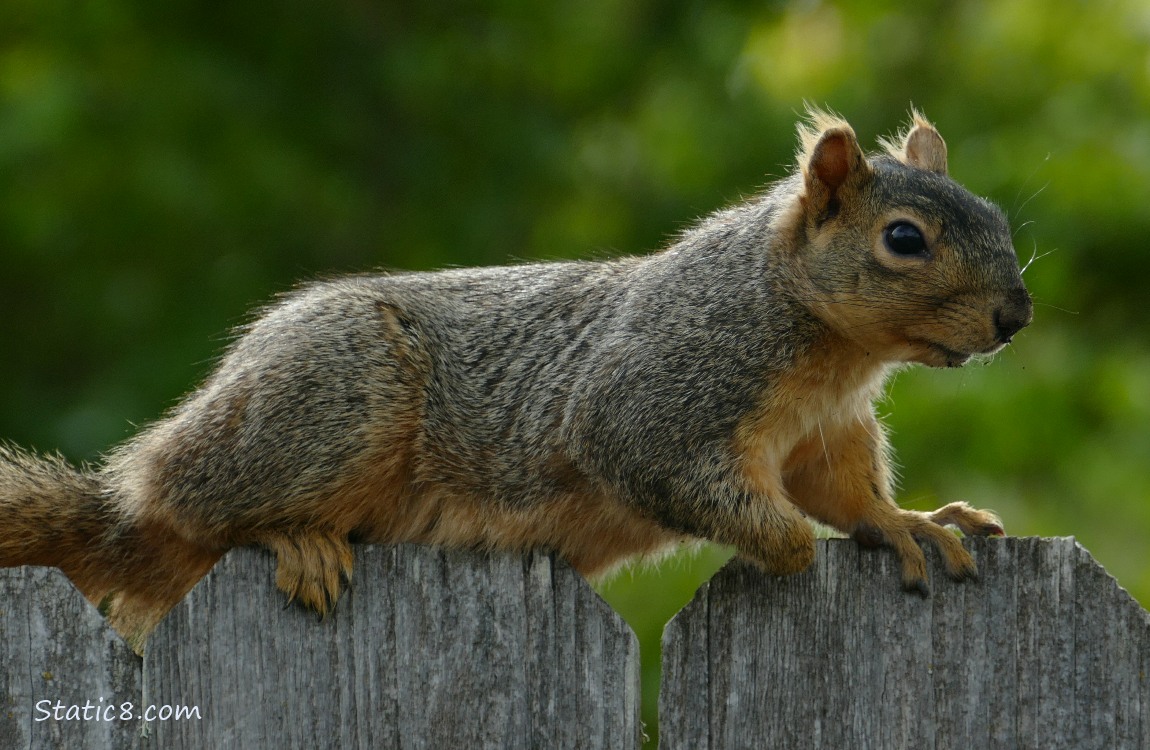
906,531
971,521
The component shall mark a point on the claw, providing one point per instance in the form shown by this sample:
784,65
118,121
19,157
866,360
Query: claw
867,536
917,586
963,573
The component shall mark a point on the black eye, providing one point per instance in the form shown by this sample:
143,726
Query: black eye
904,238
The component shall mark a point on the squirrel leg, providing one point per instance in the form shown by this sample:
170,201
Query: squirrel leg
138,574
755,517
842,477
311,567
773,534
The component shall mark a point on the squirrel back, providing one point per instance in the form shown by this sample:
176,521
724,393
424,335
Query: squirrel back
721,389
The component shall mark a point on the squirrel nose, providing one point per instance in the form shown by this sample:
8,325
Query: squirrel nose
1014,315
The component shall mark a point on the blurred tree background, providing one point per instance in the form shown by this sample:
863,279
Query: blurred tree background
166,166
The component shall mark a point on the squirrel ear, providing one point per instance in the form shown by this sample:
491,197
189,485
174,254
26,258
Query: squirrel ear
922,147
831,158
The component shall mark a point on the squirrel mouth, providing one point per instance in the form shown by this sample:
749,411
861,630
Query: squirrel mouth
953,358
943,356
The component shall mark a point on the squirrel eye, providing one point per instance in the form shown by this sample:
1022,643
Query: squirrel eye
904,238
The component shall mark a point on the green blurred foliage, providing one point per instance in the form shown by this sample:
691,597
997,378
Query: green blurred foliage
164,167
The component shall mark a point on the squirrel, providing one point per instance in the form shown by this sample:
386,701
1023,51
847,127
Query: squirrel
720,389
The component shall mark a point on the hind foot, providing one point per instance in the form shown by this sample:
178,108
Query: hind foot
312,567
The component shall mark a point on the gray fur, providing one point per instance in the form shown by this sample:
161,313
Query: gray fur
625,379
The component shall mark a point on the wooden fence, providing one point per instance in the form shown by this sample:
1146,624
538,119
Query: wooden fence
434,649
1045,651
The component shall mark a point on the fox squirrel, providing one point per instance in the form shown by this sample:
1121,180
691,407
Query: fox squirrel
721,389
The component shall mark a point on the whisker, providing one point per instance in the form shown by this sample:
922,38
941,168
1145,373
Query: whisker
826,453
1055,307
1035,256
1017,208
1020,227
1036,193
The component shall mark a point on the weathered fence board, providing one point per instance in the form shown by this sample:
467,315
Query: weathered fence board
430,649
453,649
1046,650
65,676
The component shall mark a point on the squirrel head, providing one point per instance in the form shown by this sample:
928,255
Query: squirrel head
894,255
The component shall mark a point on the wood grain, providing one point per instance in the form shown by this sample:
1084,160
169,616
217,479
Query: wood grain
55,647
435,649
429,649
1046,650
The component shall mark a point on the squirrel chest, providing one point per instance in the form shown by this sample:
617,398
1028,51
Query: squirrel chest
830,385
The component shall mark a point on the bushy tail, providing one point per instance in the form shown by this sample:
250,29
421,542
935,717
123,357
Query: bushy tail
51,513
54,514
